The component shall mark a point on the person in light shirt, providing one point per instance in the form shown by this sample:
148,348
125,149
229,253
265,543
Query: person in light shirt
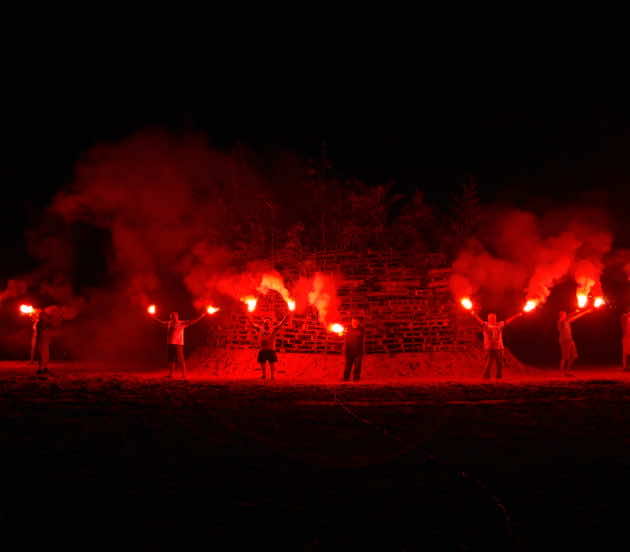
493,342
175,340
568,350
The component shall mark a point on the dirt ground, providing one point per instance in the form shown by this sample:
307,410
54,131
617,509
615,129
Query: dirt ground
111,456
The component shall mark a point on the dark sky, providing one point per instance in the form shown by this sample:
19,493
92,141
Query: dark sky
520,150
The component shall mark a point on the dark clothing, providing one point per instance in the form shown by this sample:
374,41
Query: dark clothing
355,341
494,356
353,365
42,341
175,353
267,355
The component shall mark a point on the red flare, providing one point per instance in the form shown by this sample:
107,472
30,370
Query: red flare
467,303
27,309
212,310
530,305
599,301
152,309
582,300
251,302
291,304
336,328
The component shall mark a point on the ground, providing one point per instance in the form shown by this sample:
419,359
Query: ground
97,454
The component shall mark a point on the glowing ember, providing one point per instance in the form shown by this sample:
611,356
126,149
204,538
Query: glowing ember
582,300
291,304
336,328
151,309
212,310
599,301
467,303
530,305
27,309
251,302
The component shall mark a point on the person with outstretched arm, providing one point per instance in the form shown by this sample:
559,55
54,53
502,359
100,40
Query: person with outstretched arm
267,344
354,348
568,351
493,341
175,340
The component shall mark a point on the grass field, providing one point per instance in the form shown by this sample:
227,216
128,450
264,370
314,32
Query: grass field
98,454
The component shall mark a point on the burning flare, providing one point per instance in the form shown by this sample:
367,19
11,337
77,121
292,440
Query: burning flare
212,310
582,300
251,302
467,303
152,309
291,304
336,328
530,305
599,301
27,309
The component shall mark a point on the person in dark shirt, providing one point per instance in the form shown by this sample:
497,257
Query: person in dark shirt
354,348
42,330
267,344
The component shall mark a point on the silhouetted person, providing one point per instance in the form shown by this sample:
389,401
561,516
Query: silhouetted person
34,338
354,348
42,331
568,351
175,340
267,344
493,342
625,339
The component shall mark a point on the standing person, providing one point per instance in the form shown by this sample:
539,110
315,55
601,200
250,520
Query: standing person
175,340
493,342
267,344
34,338
568,350
354,348
42,329
625,339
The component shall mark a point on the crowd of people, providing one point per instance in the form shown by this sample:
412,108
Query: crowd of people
354,343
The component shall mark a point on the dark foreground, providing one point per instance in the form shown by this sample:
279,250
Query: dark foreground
92,458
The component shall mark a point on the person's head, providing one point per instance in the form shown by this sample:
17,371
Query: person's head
174,316
266,323
355,322
562,315
492,318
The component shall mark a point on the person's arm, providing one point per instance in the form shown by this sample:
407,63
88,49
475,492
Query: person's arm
514,317
573,317
474,315
279,324
191,322
163,322
256,326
